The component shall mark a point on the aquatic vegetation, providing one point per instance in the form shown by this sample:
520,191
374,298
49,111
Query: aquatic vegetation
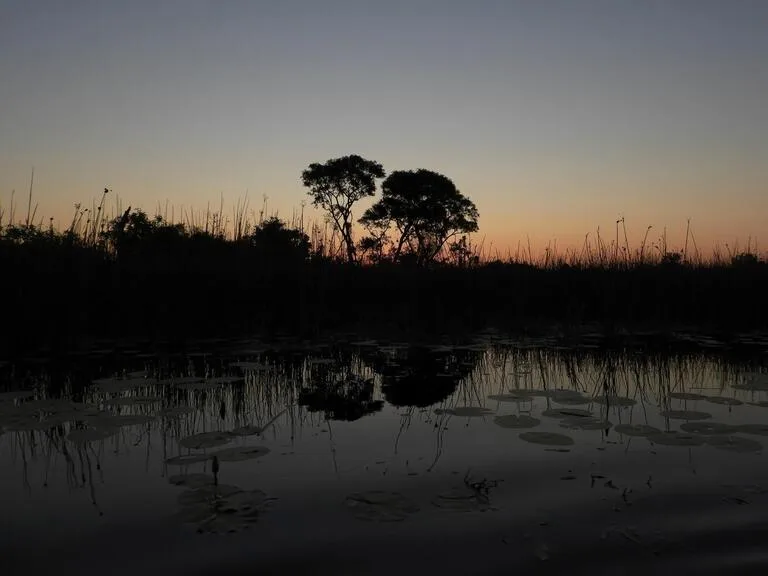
380,506
612,400
734,444
187,459
708,428
16,395
115,385
194,480
757,429
675,438
247,430
637,430
686,396
686,415
516,422
176,412
90,435
206,494
585,424
570,398
724,400
547,438
509,398
132,401
240,453
567,413
756,382
462,499
204,440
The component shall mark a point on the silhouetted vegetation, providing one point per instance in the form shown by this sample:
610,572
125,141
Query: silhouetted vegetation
135,277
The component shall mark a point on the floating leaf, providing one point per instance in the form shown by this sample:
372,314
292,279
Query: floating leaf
724,400
758,429
380,506
509,398
754,382
734,444
468,411
547,438
514,421
195,480
240,453
176,412
636,430
248,431
567,413
686,415
90,435
206,440
675,438
686,396
612,400
462,499
207,494
585,424
570,398
707,428
187,459
179,380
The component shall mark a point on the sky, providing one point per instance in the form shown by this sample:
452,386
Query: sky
555,117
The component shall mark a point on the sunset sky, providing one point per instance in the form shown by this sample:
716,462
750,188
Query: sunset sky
554,116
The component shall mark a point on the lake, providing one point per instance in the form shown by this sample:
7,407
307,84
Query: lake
368,457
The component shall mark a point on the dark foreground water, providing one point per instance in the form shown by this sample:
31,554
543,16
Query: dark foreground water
380,458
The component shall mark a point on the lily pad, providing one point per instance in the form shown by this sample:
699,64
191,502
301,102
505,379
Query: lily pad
637,430
248,431
724,400
612,400
735,444
585,424
516,422
187,459
686,396
686,415
195,480
509,398
570,399
206,494
241,453
235,513
206,440
567,413
676,438
757,429
380,506
547,438
176,412
462,499
90,435
707,428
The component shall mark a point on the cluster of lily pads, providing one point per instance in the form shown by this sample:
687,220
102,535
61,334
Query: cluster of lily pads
693,432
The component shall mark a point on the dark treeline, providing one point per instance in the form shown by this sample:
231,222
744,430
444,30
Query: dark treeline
414,274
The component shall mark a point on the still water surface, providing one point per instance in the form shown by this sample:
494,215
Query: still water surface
373,457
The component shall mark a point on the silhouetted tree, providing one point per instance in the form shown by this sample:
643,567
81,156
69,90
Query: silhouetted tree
274,240
336,185
426,210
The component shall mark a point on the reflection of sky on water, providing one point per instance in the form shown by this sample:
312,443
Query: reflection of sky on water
315,458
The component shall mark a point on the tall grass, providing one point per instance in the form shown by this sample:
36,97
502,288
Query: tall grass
119,274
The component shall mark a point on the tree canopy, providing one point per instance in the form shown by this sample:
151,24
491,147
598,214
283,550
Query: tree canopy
336,185
424,208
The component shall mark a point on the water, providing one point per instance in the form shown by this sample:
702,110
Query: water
86,467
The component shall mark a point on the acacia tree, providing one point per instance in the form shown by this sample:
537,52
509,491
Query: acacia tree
336,185
426,210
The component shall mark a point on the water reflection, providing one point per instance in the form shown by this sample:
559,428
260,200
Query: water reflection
112,425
